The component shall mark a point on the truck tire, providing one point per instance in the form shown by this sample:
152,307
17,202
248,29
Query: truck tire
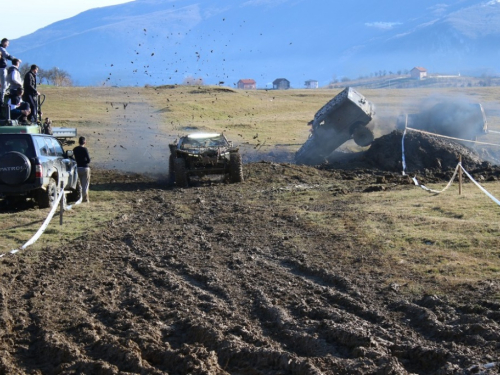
47,198
235,168
363,136
181,179
76,193
15,168
171,169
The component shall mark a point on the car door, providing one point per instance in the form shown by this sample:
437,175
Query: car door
68,166
51,163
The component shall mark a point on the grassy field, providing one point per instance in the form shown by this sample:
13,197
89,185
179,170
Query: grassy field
446,238
258,118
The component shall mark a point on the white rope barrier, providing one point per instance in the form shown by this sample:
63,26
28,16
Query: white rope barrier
437,191
459,165
480,187
42,228
69,207
44,225
493,131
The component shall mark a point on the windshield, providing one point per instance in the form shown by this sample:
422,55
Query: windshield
202,142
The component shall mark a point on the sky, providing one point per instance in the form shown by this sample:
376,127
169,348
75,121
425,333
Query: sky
27,16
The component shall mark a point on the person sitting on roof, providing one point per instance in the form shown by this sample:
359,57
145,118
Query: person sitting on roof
19,110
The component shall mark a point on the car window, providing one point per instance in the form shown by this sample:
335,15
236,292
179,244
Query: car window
57,147
19,143
42,146
52,150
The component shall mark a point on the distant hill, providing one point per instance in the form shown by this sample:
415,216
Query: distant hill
164,41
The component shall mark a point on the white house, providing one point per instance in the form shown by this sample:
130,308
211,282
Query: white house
418,73
311,84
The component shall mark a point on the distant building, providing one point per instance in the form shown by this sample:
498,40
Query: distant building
418,73
311,84
281,84
247,84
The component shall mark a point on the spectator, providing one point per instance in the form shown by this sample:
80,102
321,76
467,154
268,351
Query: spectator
47,126
14,76
30,92
4,56
19,110
82,158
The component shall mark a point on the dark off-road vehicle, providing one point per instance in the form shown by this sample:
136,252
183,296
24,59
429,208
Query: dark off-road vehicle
34,166
344,117
202,154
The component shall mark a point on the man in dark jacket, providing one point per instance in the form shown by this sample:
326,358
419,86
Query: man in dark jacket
30,92
4,56
82,161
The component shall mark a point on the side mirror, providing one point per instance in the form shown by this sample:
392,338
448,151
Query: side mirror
69,154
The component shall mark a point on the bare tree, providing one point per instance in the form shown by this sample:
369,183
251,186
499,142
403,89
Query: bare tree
57,77
43,75
23,69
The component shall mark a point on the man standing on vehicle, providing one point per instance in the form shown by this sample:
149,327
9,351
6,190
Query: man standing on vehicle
82,158
14,76
30,92
4,56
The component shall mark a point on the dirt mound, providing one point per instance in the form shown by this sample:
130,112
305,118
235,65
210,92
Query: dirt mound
212,280
423,153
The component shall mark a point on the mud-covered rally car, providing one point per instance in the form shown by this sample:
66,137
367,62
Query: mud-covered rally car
201,154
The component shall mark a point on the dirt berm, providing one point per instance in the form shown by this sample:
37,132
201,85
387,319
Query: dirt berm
227,279
423,154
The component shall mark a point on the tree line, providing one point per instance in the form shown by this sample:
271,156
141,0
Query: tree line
53,76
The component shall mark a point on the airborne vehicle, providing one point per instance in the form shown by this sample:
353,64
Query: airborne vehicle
201,154
342,118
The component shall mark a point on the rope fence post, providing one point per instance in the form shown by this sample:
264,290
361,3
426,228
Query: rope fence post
460,176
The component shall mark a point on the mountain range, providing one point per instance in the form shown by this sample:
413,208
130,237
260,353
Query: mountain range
161,42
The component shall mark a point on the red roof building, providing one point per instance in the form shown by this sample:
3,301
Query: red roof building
247,84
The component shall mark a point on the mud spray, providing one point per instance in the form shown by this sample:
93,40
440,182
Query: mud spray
137,143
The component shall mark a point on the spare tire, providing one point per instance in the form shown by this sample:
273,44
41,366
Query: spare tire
15,168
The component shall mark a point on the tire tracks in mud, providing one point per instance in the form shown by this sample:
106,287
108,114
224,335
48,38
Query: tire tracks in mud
209,280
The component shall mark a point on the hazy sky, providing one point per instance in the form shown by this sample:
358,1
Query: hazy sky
23,17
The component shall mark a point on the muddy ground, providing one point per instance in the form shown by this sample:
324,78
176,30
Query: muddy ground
212,280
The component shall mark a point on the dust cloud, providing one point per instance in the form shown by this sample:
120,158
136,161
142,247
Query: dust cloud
137,143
